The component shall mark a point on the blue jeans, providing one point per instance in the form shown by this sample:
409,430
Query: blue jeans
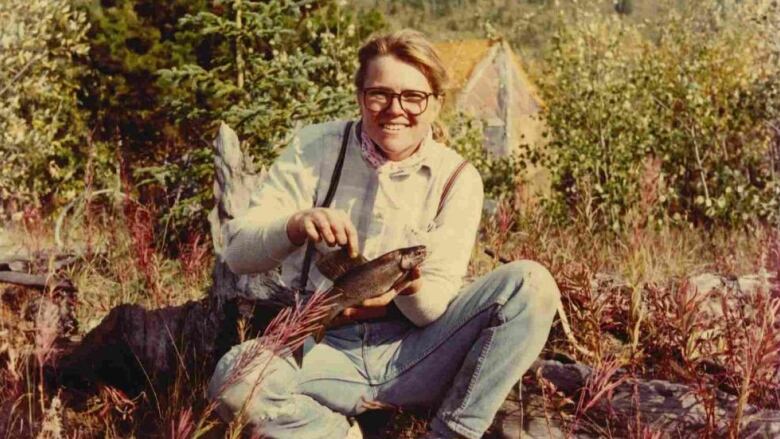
466,362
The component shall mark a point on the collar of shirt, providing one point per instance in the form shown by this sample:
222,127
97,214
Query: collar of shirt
376,160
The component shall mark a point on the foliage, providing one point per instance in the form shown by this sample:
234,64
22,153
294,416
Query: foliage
527,25
129,41
262,67
499,174
42,131
161,76
699,100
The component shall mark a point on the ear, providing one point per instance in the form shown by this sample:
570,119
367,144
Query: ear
436,106
359,101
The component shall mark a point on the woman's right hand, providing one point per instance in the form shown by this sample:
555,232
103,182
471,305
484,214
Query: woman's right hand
323,223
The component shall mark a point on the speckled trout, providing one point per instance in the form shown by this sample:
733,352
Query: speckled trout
357,279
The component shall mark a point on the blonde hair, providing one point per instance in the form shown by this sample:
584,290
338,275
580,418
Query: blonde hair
412,47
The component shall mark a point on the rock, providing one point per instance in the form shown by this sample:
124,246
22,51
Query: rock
670,408
736,291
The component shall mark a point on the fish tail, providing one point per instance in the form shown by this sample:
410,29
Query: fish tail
298,356
325,323
320,334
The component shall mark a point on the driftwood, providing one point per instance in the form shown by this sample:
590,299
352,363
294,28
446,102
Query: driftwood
133,347
38,270
36,281
23,261
42,271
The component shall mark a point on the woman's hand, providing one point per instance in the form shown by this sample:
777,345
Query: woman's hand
376,307
323,223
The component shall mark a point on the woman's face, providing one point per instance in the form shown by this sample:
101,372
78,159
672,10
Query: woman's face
397,132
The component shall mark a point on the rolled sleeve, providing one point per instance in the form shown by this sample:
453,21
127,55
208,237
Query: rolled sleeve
257,247
428,304
257,241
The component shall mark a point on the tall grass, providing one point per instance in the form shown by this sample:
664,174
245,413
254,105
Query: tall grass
626,296
124,265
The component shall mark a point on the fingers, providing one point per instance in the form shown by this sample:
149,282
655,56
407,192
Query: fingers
311,229
352,240
411,288
323,225
332,226
382,300
410,283
340,232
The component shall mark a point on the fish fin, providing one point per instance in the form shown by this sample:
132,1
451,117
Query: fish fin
298,356
334,264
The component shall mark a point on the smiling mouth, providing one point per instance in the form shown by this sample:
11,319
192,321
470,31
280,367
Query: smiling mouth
393,127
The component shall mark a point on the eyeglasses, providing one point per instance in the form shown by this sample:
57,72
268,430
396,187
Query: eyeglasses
413,102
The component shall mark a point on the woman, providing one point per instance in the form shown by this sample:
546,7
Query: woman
428,341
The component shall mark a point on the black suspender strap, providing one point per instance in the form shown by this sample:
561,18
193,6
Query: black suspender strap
334,182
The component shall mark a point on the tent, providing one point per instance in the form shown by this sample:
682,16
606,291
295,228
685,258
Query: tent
488,82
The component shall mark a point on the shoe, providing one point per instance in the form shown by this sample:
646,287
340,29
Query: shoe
354,432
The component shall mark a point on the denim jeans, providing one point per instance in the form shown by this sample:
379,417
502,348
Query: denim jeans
466,362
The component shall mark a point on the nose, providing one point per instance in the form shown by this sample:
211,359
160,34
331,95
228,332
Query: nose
395,106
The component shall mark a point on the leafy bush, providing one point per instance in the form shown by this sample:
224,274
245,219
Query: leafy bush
42,131
130,40
698,100
499,174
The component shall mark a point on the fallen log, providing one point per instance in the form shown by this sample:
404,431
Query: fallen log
36,281
38,261
133,348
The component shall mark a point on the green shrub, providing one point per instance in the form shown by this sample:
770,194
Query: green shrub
698,101
500,175
130,40
42,131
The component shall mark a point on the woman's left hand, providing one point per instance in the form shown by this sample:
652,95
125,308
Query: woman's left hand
376,307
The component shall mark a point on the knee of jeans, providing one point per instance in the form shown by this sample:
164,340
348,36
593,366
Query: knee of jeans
536,290
253,382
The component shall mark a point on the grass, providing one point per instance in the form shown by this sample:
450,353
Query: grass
625,294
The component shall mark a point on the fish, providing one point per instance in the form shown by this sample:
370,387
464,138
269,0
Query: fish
357,279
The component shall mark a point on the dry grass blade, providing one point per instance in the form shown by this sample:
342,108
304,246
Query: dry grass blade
598,384
183,427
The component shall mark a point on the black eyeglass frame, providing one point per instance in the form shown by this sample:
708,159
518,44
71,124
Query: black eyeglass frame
393,95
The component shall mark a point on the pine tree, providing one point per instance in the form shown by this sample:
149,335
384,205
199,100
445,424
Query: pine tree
130,40
263,68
